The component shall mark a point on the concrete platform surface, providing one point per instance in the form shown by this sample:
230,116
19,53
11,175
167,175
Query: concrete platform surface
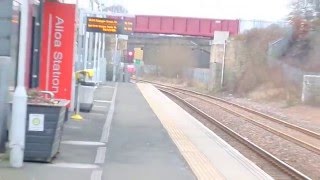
139,147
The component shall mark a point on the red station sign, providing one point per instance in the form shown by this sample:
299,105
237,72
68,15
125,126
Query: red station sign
57,51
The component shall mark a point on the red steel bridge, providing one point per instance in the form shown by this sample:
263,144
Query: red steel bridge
186,26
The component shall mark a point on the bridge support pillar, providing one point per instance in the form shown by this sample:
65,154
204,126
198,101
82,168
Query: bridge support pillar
217,60
215,76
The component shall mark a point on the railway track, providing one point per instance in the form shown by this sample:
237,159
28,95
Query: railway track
285,168
293,133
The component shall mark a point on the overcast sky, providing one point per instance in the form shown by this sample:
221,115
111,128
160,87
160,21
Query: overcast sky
228,9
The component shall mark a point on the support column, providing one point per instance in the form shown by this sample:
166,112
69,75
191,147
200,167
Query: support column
99,58
103,65
86,50
217,60
95,56
90,50
215,66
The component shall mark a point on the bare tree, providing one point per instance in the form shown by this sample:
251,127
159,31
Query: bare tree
116,9
304,17
306,9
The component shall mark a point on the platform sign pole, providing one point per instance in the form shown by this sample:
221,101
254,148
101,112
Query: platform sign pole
76,116
77,52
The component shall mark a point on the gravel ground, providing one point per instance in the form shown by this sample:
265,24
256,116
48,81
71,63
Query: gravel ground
298,157
302,115
269,123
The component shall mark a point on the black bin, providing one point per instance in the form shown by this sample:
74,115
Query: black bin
43,146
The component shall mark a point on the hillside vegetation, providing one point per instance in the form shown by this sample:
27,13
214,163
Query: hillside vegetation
251,58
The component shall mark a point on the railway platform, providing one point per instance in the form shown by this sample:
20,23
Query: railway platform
136,132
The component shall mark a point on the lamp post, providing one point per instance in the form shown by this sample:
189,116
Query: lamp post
19,105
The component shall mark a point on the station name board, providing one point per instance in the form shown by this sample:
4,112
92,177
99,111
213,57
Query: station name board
109,25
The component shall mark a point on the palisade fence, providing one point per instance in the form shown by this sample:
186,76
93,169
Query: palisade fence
200,75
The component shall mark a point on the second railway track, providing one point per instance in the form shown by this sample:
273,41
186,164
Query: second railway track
300,136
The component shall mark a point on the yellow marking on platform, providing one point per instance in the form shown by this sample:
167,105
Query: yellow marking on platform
77,117
198,162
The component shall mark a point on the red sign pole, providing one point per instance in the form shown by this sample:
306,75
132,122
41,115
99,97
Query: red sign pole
57,51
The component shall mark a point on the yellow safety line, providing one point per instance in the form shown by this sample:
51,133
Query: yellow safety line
198,162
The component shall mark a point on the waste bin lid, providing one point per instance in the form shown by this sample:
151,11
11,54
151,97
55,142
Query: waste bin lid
88,83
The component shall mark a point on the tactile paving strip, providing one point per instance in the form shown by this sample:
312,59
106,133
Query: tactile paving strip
200,165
